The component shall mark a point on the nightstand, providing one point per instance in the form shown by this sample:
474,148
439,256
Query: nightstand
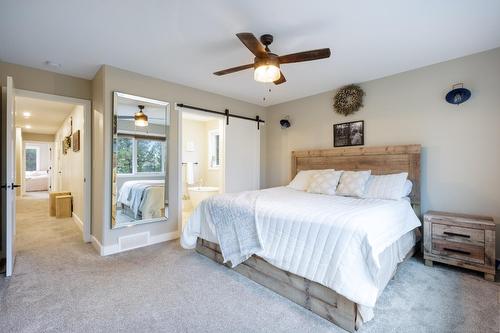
466,241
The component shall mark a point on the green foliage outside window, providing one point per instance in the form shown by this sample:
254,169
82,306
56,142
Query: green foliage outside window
31,159
149,156
124,155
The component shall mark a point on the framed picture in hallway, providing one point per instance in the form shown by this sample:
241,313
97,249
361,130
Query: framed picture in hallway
76,141
349,134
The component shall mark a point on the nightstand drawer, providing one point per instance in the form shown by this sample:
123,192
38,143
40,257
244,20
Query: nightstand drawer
458,234
462,251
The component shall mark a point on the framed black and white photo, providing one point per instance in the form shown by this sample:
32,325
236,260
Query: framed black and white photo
349,134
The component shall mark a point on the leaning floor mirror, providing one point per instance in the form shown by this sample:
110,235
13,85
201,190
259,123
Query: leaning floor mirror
140,160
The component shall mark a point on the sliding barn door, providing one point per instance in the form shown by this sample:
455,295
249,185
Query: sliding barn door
242,156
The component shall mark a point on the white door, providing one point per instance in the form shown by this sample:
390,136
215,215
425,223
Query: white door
242,155
10,177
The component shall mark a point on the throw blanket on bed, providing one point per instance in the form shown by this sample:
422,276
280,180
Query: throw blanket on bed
233,216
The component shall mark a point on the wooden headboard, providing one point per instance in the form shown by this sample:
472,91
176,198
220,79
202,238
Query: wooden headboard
380,160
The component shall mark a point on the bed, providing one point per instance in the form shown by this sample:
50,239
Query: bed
333,255
142,199
36,181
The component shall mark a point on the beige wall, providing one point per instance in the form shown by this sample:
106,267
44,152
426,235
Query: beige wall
38,137
214,177
97,228
461,154
195,132
33,79
70,165
111,79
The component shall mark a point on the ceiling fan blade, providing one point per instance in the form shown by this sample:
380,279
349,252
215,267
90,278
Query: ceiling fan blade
305,56
234,69
252,43
281,79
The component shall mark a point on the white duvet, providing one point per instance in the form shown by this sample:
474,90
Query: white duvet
333,240
143,196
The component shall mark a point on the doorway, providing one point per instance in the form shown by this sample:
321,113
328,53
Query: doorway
232,148
47,149
202,159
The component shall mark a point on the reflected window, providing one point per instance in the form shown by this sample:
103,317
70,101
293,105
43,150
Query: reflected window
124,155
149,156
32,158
139,156
214,149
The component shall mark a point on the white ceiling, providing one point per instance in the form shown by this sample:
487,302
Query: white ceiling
129,106
46,116
184,41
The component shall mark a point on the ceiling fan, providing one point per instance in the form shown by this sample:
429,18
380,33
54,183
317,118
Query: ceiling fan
267,64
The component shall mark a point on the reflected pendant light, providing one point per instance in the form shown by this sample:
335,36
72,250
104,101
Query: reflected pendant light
140,119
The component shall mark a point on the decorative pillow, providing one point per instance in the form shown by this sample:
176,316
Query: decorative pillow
352,183
386,186
302,179
324,182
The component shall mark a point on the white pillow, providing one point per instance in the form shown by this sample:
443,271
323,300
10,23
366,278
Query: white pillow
407,188
352,183
302,179
386,186
324,182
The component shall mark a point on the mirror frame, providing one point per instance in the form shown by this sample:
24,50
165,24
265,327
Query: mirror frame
116,95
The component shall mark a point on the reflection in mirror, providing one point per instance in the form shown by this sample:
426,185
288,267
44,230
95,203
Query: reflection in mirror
140,160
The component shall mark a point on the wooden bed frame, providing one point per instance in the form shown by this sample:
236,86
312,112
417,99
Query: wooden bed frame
313,296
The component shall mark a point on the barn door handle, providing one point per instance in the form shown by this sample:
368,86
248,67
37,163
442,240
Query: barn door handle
5,186
13,186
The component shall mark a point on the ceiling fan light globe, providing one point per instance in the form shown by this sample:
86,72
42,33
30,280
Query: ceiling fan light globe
267,73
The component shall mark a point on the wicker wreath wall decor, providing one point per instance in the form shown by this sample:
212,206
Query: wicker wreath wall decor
348,99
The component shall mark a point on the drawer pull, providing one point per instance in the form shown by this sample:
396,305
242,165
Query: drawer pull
448,233
456,251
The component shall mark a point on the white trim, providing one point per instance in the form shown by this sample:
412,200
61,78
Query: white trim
87,149
115,248
141,99
78,221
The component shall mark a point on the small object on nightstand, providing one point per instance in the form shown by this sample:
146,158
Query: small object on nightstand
466,241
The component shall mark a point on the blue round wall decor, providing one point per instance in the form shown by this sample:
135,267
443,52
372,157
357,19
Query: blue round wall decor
458,95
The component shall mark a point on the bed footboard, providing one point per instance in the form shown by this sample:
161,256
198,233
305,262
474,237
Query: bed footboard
311,295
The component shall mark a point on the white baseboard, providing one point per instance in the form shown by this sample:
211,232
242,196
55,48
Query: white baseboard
96,244
78,221
115,248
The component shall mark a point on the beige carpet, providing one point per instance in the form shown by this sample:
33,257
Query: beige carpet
62,285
